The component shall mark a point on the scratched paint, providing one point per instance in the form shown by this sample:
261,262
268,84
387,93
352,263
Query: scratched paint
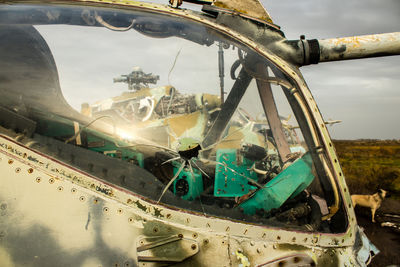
58,171
359,46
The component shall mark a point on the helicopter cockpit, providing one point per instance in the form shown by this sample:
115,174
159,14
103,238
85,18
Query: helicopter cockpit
202,123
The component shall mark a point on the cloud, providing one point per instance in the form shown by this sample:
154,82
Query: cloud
363,93
359,92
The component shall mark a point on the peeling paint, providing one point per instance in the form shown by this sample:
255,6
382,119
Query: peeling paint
104,190
157,212
58,171
359,46
81,180
140,205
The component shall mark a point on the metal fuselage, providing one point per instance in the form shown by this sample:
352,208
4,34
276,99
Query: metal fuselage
61,205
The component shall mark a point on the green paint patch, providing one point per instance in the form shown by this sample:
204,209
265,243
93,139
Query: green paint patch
140,205
157,212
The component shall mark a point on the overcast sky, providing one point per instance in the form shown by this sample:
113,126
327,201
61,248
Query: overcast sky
364,94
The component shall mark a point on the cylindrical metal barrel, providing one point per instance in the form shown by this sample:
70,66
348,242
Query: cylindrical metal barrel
374,45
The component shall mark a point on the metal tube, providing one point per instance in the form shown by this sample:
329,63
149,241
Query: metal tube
271,111
228,109
375,45
221,71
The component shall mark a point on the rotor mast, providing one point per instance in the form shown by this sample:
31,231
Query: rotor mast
298,52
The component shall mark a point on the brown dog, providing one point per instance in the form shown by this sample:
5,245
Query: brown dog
370,201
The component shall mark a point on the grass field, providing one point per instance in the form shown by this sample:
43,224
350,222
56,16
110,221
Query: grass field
370,164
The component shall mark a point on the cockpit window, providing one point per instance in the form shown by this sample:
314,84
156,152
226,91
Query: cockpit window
173,110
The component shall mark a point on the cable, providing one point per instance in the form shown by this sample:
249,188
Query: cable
87,125
100,20
173,65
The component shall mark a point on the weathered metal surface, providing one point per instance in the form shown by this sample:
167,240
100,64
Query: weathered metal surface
239,173
166,249
251,8
375,45
290,182
305,52
271,111
25,182
291,261
81,226
156,8
32,184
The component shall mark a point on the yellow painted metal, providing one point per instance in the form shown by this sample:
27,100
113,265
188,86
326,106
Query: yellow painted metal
236,229
252,8
32,183
347,237
354,47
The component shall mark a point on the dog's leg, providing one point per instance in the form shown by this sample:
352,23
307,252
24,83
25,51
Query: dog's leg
373,214
353,200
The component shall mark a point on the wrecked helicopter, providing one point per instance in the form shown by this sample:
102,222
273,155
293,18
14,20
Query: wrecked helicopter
208,170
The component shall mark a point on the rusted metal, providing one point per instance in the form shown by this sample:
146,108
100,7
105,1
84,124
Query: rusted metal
375,45
305,52
251,8
142,217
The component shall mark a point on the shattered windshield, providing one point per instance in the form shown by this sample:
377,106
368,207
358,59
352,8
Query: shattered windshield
167,108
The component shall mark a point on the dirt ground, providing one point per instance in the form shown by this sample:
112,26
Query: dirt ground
384,238
369,165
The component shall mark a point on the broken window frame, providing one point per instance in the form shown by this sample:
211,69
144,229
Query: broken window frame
312,142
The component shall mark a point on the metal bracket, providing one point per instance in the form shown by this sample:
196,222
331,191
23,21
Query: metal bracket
165,249
311,51
175,3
